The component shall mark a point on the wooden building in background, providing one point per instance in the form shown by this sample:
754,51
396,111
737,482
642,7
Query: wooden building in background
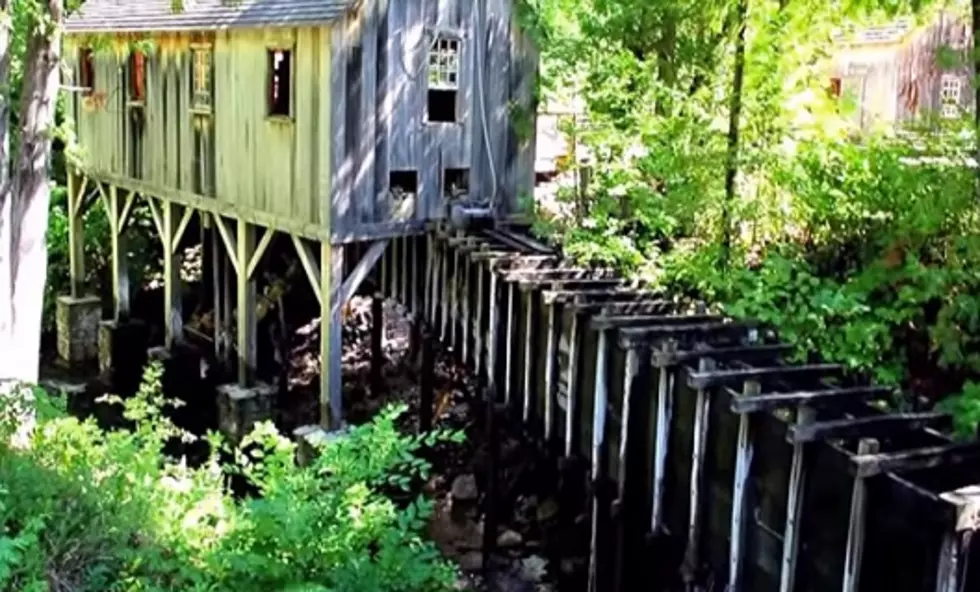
335,122
901,73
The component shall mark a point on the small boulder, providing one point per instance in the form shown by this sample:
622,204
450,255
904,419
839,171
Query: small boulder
464,489
509,539
472,561
547,510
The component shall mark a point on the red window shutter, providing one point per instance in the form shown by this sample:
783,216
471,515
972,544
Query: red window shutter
835,87
138,75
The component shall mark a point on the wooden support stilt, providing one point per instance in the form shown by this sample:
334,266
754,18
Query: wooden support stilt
430,301
359,271
467,321
331,338
478,328
119,257
377,353
794,506
247,300
571,383
550,371
218,264
403,264
854,553
385,271
665,409
699,453
395,267
954,558
77,186
173,225
508,348
445,292
456,297
416,280
530,345
493,343
600,407
227,304
743,468
426,381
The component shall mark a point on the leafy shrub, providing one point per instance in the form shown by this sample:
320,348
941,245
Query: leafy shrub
84,509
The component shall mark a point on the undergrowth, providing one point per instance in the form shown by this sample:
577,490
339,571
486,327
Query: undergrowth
86,509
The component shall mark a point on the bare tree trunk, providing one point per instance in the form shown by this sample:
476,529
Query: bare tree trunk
975,12
7,345
734,120
26,205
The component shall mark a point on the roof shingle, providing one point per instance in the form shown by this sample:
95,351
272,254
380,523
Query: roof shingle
97,16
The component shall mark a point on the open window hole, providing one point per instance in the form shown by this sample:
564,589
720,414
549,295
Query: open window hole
442,105
403,184
455,182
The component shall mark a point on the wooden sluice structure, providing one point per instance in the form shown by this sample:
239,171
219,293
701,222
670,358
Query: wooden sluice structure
710,462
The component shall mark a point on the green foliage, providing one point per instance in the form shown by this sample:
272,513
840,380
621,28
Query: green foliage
84,509
965,409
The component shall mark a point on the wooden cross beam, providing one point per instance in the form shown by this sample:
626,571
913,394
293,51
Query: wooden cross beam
739,376
567,295
521,238
755,353
626,321
869,465
546,275
361,271
771,401
629,336
879,426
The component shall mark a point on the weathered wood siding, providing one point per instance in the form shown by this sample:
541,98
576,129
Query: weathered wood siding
921,66
276,166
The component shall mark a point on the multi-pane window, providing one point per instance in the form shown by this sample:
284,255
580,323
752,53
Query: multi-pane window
443,89
280,82
949,95
201,91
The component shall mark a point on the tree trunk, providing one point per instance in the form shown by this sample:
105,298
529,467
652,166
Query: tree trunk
25,197
975,12
734,120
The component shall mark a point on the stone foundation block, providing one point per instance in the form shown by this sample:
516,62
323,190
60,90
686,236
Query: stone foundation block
123,354
78,329
240,408
309,438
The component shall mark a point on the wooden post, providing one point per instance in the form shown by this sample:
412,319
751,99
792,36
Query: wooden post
385,271
490,519
600,406
467,321
247,295
77,185
494,332
856,525
430,300
661,443
227,306
702,410
331,334
426,381
416,281
445,290
396,271
404,272
120,265
478,329
794,506
572,374
529,356
550,370
743,468
377,353
454,302
954,558
172,224
509,344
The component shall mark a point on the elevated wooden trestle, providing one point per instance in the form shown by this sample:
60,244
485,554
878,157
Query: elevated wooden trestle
681,414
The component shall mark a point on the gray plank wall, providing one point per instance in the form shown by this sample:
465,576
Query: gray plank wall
381,121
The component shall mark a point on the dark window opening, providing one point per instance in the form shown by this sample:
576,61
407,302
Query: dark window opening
403,183
442,105
280,82
835,87
137,76
86,70
455,182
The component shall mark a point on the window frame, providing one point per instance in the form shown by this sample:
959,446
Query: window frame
949,104
443,62
196,92
290,51
136,77
86,70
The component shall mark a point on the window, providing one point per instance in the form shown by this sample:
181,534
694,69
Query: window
280,82
86,70
403,183
137,77
443,79
949,96
835,88
455,182
201,78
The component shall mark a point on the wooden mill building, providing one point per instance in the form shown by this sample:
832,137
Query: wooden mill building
349,125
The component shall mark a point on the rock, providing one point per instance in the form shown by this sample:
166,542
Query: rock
509,539
534,569
572,565
464,489
547,510
525,509
434,484
471,561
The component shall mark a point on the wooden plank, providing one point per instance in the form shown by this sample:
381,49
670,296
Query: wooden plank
854,552
246,305
794,505
185,219
625,321
954,558
565,295
361,271
509,349
744,353
454,282
550,370
260,250
478,347
547,275
467,322
119,257
738,376
331,334
493,343
530,355
770,401
599,410
230,242
880,426
869,465
743,468
699,451
571,394
661,443
172,309
634,335
310,266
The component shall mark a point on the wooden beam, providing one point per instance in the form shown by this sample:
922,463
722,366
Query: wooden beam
744,353
794,505
127,208
854,552
157,218
331,328
247,295
260,250
661,443
509,349
743,469
310,266
600,407
739,376
361,271
119,257
869,465
172,294
623,321
571,383
551,370
76,234
182,227
230,243
699,453
530,355
770,401
878,426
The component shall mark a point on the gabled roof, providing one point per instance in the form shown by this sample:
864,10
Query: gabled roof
110,16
